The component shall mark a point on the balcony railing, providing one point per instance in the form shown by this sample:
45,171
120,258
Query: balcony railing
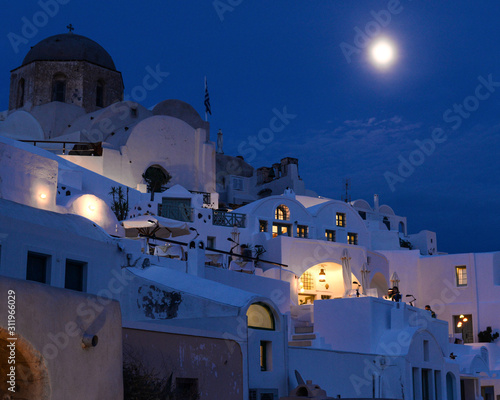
207,199
68,148
223,218
181,213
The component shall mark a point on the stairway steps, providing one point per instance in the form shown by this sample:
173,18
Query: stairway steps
304,329
305,336
300,343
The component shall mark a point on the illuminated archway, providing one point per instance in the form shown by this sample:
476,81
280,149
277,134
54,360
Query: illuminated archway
32,379
322,282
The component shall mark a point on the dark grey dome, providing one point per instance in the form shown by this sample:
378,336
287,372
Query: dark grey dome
70,47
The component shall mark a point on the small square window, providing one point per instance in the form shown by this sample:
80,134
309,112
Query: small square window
211,242
461,275
330,235
340,219
262,226
76,276
37,268
352,238
302,231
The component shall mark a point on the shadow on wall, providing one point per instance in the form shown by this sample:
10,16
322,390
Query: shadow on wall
30,379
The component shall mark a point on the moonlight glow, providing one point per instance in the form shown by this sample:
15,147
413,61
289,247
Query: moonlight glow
383,53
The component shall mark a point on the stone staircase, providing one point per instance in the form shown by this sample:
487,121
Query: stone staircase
303,337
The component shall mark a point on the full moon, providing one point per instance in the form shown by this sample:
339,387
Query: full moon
383,53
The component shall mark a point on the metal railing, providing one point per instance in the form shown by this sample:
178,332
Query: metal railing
68,148
180,213
207,198
223,218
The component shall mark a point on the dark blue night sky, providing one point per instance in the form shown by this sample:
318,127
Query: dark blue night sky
350,119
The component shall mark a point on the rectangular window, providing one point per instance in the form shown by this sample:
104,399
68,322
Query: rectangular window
281,230
262,226
330,235
211,242
37,268
186,388
76,276
461,275
306,281
302,231
266,356
237,184
426,350
340,219
352,238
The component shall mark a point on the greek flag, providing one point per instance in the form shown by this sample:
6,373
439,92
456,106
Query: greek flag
208,109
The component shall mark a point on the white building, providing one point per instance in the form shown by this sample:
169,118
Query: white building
239,300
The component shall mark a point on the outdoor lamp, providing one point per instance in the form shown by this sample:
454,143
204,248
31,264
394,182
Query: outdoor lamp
43,196
322,275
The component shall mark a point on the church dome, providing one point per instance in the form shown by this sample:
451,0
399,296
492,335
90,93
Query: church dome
70,47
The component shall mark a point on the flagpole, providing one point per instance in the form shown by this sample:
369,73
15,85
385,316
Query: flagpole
206,114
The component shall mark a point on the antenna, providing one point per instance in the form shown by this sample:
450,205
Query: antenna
347,186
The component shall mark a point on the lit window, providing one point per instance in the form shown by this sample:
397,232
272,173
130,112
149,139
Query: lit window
461,274
352,238
330,235
282,213
302,231
341,219
260,316
281,230
307,281
262,226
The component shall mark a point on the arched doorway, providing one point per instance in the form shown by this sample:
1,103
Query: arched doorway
323,281
31,376
380,283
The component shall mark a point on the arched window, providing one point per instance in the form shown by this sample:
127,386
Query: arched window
99,93
260,316
20,93
387,223
401,227
59,88
282,213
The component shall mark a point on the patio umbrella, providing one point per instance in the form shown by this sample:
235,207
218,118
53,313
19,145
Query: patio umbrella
364,278
395,280
150,225
346,272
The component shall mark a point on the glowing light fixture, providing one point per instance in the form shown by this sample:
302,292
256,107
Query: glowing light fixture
322,275
43,196
459,325
91,207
